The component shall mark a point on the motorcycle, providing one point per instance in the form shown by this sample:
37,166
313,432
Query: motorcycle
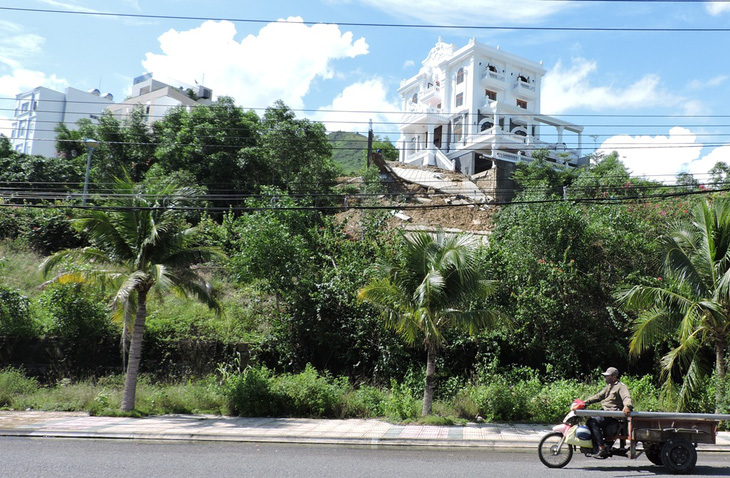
557,447
668,439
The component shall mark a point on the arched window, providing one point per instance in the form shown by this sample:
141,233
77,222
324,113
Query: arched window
460,76
414,98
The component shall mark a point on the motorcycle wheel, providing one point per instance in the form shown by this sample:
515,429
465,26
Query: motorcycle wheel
552,456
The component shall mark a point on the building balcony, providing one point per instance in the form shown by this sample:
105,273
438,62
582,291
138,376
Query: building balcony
418,113
524,89
492,79
431,96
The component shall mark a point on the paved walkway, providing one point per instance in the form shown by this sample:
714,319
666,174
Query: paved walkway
280,430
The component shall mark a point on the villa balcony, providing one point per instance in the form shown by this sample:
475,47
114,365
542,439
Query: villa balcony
492,79
525,89
418,113
431,96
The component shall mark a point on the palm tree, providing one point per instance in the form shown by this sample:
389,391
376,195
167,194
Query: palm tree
141,244
432,285
690,304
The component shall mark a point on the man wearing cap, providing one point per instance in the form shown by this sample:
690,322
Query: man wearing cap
615,397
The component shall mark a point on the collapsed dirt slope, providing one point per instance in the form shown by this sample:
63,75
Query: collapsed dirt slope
412,206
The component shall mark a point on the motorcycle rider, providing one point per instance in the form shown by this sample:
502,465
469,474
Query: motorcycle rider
614,397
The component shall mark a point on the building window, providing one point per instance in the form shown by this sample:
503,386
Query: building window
460,76
414,98
492,95
522,104
460,100
458,130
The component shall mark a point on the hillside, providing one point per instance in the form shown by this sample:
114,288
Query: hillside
348,150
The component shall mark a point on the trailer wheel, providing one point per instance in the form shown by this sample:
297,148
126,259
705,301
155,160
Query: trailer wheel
653,452
679,455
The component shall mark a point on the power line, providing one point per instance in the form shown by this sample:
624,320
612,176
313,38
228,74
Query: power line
368,24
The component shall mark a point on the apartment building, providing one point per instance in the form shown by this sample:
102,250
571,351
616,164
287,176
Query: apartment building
39,111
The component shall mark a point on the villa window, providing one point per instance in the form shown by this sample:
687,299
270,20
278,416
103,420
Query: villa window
414,98
491,95
522,104
460,100
460,76
458,130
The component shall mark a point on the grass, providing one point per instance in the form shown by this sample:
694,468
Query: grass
257,392
19,268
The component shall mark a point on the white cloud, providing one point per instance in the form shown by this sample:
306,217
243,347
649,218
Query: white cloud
657,157
68,6
566,88
701,166
717,8
470,12
14,43
408,64
280,62
15,79
359,103
712,82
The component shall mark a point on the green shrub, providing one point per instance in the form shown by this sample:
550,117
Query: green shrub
553,401
250,394
644,393
401,405
74,313
15,317
49,230
364,402
13,383
307,394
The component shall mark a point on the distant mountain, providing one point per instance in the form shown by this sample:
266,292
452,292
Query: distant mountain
348,150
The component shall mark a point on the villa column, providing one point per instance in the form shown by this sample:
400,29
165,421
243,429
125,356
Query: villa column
560,130
580,144
430,148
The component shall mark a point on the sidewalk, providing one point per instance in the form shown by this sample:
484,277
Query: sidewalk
281,430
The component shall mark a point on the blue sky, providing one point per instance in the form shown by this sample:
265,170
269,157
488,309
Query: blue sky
656,97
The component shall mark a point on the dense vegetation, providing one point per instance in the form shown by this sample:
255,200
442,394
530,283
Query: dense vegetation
292,337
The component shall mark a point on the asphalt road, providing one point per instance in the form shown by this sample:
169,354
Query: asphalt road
43,457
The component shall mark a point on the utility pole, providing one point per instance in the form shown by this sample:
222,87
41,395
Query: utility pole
370,142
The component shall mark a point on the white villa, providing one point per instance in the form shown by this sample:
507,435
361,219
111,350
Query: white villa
157,98
477,108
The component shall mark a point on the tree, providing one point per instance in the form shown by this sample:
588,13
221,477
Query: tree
142,245
690,304
297,151
434,285
720,175
216,144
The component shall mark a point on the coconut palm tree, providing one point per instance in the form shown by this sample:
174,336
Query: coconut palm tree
690,304
432,285
142,244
